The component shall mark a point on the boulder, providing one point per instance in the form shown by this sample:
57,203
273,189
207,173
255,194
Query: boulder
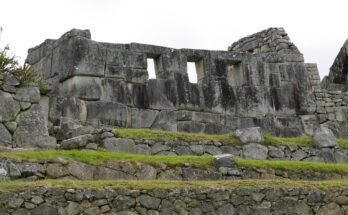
45,209
76,142
324,138
250,135
149,202
28,94
255,151
11,126
5,136
119,145
32,130
9,108
224,160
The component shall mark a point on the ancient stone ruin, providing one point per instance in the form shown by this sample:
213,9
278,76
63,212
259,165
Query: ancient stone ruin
260,81
259,88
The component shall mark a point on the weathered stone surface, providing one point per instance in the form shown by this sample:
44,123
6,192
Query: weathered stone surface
32,130
11,126
73,208
261,81
76,142
147,172
331,209
119,145
5,136
109,113
255,151
9,108
81,171
28,94
250,135
324,137
56,170
225,160
45,209
149,201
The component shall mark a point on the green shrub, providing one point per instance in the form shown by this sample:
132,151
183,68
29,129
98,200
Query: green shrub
28,76
8,62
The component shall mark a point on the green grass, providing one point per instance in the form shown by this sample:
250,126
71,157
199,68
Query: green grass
164,184
161,135
293,165
100,157
289,141
343,143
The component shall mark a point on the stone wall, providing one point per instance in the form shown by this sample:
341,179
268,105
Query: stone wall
271,40
224,201
23,116
12,170
103,83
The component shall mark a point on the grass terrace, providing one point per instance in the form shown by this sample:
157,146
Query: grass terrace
293,165
164,184
229,139
101,157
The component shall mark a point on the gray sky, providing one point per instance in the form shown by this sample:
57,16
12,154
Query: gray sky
318,28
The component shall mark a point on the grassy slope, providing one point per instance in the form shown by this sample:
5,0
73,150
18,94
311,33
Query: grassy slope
100,157
164,184
293,165
160,135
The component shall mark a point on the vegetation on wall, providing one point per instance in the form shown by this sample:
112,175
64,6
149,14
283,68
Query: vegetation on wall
25,74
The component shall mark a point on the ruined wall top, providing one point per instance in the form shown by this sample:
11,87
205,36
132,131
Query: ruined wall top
270,40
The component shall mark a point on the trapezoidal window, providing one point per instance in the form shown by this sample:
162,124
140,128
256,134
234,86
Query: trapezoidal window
235,76
195,70
151,68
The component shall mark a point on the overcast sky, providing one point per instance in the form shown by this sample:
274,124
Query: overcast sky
318,28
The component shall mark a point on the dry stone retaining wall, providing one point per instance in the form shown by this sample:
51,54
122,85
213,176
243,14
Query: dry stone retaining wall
11,170
225,201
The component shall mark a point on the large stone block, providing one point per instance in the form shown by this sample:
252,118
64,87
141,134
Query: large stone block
86,88
28,94
5,136
250,135
32,130
127,74
78,56
107,113
9,108
324,138
126,58
142,118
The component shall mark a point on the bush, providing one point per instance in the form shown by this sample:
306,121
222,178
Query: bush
28,76
8,63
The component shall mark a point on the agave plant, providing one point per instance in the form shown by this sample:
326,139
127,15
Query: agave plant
27,75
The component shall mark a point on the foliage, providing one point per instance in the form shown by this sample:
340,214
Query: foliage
27,75
293,165
100,157
8,62
343,143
